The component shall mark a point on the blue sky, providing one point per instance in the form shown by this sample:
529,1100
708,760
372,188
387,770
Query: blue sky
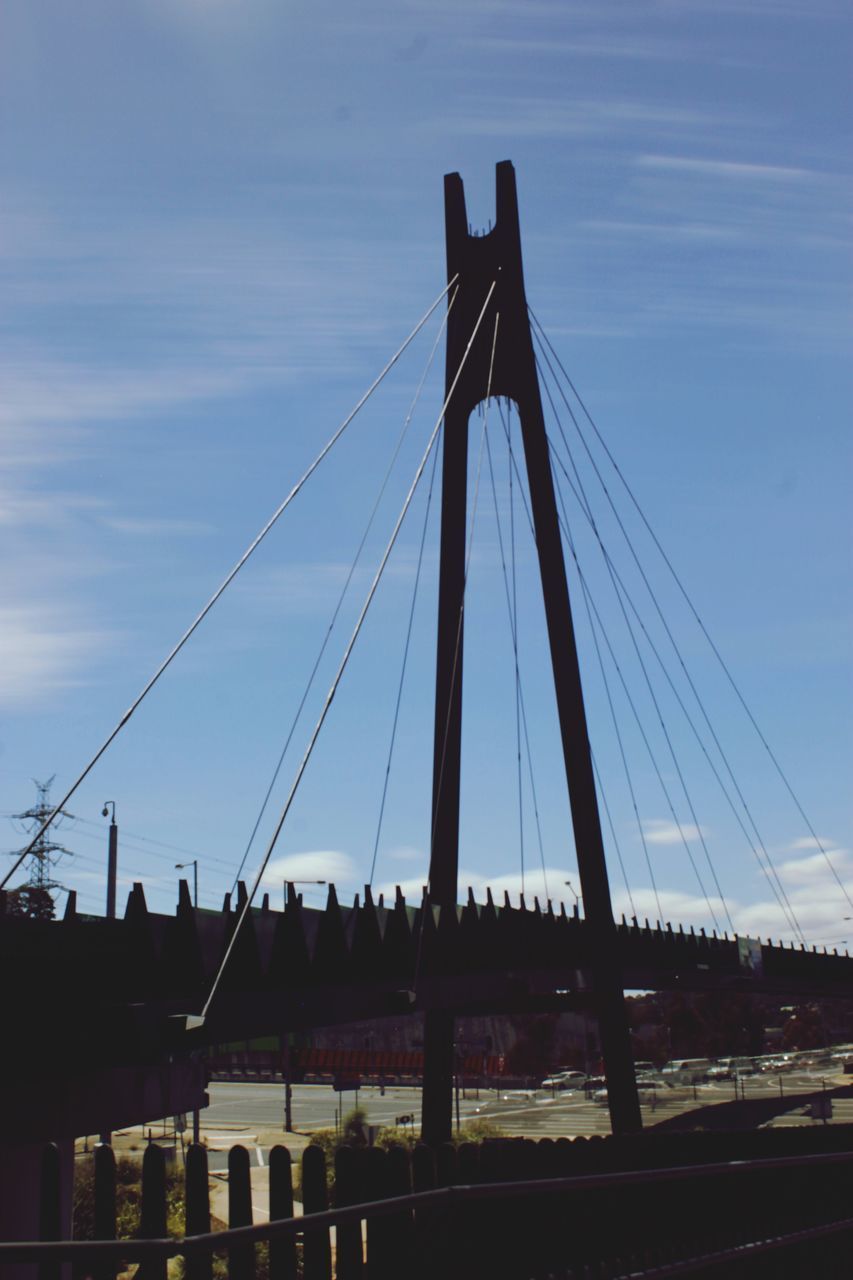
219,221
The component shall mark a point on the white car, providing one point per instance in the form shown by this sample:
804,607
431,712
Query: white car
565,1080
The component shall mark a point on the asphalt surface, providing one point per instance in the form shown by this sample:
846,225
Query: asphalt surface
253,1114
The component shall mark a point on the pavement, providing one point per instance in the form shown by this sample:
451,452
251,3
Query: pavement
250,1115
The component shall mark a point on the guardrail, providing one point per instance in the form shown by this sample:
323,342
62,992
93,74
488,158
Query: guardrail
476,1211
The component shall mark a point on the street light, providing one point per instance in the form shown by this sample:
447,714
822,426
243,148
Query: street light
287,882
179,866
578,896
112,859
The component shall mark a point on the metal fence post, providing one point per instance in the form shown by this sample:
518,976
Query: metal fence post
153,1224
282,1265
50,1226
317,1254
241,1257
197,1221
105,1203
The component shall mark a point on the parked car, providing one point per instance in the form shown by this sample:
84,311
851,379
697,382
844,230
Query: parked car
720,1071
565,1080
686,1070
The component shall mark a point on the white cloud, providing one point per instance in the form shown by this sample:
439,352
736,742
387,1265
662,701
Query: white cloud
810,842
331,865
42,652
37,390
663,831
405,853
727,168
678,908
809,871
811,892
550,885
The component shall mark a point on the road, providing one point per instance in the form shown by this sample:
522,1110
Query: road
254,1113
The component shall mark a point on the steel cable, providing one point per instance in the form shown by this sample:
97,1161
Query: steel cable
226,583
340,672
683,591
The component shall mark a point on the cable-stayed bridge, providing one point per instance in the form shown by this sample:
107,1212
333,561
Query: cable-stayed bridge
151,989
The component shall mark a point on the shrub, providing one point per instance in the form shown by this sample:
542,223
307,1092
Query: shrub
128,1199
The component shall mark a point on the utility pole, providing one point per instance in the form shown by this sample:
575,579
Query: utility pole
45,853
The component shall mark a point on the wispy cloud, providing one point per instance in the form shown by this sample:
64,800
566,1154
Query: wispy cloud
534,884
557,116
153,527
332,865
42,652
811,893
810,842
733,169
39,390
664,831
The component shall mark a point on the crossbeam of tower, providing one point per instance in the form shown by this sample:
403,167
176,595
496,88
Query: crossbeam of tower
501,359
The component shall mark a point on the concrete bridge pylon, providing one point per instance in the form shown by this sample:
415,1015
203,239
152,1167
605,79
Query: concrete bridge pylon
501,362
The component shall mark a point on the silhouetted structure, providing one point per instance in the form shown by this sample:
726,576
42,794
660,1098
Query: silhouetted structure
488,301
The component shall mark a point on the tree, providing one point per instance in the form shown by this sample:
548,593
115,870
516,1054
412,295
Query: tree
31,901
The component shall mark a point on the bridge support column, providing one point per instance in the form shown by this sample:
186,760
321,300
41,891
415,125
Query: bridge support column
437,1095
500,361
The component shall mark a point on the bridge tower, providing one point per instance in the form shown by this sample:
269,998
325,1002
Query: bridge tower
475,262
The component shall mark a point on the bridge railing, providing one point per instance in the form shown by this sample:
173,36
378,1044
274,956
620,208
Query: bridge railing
504,1209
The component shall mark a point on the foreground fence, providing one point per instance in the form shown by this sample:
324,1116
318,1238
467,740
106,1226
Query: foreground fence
514,1210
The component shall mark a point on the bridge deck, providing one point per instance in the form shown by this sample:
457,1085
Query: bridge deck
108,987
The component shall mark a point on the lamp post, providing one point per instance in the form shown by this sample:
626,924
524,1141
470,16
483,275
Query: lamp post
578,896
179,866
112,859
112,871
